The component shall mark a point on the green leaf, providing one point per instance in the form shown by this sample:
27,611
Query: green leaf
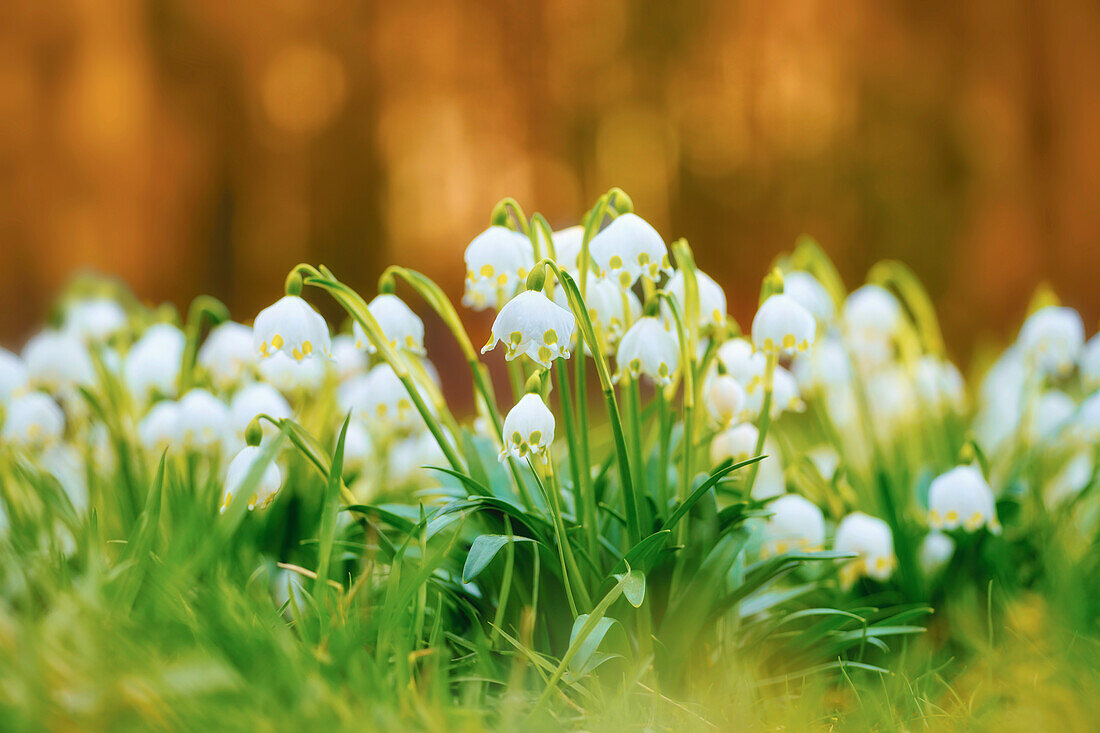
581,663
482,551
717,475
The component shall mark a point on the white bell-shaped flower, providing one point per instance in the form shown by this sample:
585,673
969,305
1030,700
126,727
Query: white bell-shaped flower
734,444
13,376
611,309
255,399
153,363
825,459
892,400
1051,339
226,355
160,428
629,248
825,367
293,377
712,299
785,396
401,327
497,263
268,485
528,429
742,362
872,312
783,326
533,324
57,361
358,447
94,319
936,550
771,480
293,327
34,421
1086,424
348,360
1072,479
567,247
1090,363
962,498
1053,412
796,524
871,539
382,400
203,420
810,294
408,461
648,348
939,384
726,400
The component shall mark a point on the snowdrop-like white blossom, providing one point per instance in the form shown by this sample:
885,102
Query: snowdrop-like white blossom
872,311
528,429
648,348
785,396
358,447
153,363
610,308
1001,397
401,327
810,294
533,324
34,421
629,248
203,420
712,299
871,539
725,398
256,399
734,444
57,361
290,376
782,325
347,359
95,319
962,498
771,480
1074,476
1053,411
742,362
892,399
291,326
826,367
160,428
13,375
796,524
497,262
567,247
381,399
408,457
1090,363
266,488
939,384
1051,339
227,355
1086,423
825,459
935,552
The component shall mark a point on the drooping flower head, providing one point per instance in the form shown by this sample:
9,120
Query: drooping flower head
160,428
291,326
712,299
648,348
94,319
57,361
783,326
808,292
497,262
935,552
872,318
348,360
203,420
34,421
268,485
528,429
533,324
153,363
796,524
734,444
1090,363
742,362
611,309
871,539
962,498
381,399
629,248
292,377
785,396
401,327
227,355
726,400
13,375
567,247
1051,339
257,398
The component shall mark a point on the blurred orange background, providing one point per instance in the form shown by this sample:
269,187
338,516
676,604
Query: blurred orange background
195,146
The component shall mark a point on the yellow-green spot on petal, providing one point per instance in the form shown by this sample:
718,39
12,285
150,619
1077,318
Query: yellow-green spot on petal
277,342
615,262
535,438
487,271
550,337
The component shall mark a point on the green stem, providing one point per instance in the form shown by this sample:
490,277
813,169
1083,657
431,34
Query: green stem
765,418
202,308
580,500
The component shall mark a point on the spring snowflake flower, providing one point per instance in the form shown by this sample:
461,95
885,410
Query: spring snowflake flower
742,362
726,399
871,539
796,524
153,363
939,384
255,399
34,421
734,444
1071,480
497,262
892,399
648,348
160,428
203,419
810,294
935,552
348,360
13,376
533,324
267,487
528,429
358,447
381,399
771,480
782,326
825,460
872,311
293,327
290,376
826,367
568,243
712,299
95,319
1054,411
227,354
962,498
1086,424
611,309
401,327
57,361
1090,363
785,396
408,457
629,248
1052,338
